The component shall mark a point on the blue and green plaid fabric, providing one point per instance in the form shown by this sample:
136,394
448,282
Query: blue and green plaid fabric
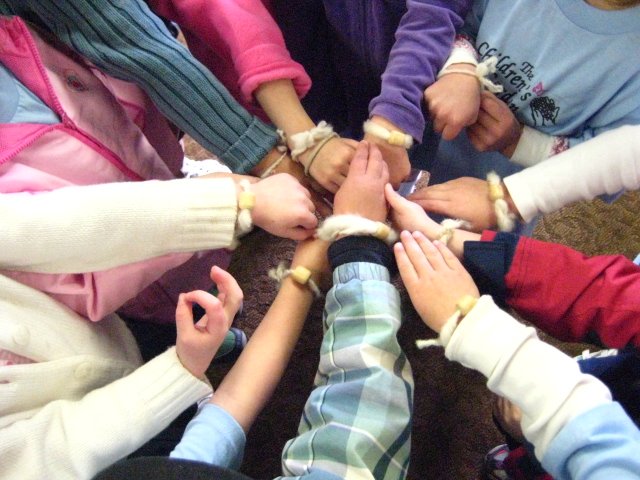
357,420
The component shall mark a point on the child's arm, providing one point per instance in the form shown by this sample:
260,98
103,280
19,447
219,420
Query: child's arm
422,42
85,428
363,388
217,434
567,415
605,164
133,44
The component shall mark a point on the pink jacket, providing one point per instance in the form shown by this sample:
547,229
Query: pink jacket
109,131
238,41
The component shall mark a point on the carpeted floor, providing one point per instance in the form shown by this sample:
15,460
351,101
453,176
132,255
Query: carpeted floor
452,427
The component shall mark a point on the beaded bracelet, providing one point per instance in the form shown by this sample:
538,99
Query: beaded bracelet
299,274
347,225
505,219
463,307
393,137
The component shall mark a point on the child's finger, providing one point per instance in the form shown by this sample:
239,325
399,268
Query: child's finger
396,201
405,267
431,253
450,259
358,165
415,254
184,316
232,292
375,161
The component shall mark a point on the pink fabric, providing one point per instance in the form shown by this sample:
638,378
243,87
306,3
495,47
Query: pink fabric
9,358
238,41
110,132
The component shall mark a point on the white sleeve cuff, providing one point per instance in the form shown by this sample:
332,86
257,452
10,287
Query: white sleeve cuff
533,147
546,384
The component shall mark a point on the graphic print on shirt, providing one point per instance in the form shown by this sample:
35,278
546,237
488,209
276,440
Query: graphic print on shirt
521,88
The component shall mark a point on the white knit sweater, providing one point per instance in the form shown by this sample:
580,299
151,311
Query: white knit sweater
87,402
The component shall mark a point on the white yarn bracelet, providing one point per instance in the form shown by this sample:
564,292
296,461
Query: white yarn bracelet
392,137
349,225
449,228
246,202
482,70
300,275
505,219
463,307
303,141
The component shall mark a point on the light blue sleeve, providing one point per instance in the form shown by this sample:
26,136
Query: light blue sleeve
19,105
601,444
212,436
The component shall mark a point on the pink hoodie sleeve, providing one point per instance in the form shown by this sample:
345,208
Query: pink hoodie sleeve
243,35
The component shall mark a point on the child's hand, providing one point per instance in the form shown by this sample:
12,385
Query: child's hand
453,102
362,193
408,215
284,207
197,343
331,165
396,156
497,128
434,277
466,198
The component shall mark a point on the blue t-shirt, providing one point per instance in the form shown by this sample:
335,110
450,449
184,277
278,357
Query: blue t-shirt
18,104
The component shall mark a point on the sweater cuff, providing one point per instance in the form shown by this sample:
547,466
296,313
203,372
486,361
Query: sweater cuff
208,211
489,261
521,192
533,147
357,249
251,147
166,388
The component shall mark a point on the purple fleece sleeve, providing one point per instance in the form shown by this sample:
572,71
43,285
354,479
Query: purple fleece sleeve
423,43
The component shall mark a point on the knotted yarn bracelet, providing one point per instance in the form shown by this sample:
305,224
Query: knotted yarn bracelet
505,219
392,137
246,202
463,307
449,226
482,70
303,141
299,274
349,225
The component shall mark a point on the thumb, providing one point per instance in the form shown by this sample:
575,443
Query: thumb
393,197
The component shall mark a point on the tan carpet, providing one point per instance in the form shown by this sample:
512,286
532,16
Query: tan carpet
452,427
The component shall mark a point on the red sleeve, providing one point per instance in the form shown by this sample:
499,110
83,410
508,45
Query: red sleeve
237,40
572,296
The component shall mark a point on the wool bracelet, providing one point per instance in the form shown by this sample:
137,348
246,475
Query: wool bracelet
299,274
463,307
246,202
505,219
348,225
449,228
482,70
392,137
303,141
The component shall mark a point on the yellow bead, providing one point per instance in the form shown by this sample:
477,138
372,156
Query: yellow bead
396,138
495,192
382,231
246,201
301,275
465,304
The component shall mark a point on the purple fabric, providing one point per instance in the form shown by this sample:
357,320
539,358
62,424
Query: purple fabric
350,44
